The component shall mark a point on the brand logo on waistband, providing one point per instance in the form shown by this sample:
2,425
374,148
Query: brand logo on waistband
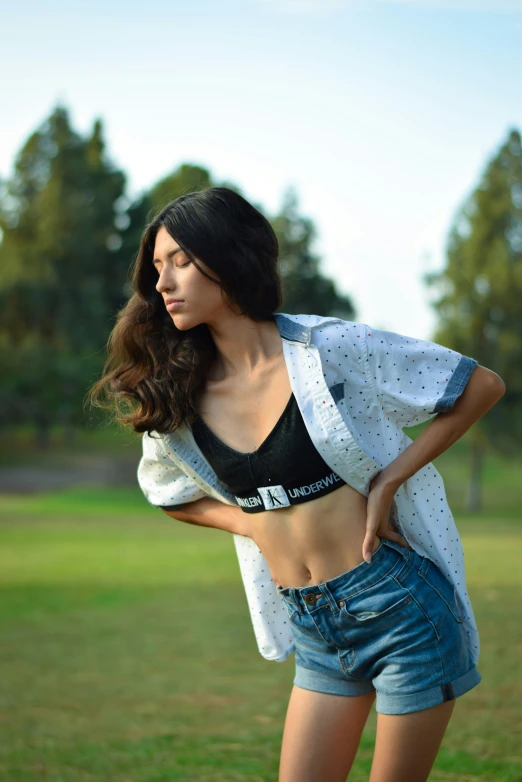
312,488
278,497
249,502
273,497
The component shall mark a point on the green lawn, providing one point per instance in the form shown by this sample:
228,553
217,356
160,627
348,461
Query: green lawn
127,652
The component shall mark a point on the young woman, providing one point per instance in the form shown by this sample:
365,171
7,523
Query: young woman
286,431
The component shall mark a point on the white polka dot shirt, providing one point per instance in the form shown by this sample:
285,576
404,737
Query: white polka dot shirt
356,388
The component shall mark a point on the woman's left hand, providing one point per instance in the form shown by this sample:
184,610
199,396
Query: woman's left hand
378,510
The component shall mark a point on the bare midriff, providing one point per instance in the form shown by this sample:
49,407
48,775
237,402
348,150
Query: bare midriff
303,544
314,541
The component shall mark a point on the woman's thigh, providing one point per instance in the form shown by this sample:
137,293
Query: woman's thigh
406,745
321,735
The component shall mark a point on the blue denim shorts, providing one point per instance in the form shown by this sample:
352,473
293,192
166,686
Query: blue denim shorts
392,625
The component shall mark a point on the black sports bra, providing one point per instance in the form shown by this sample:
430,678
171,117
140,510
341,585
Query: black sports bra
285,470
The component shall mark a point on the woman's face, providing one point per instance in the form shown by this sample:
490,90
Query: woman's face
202,299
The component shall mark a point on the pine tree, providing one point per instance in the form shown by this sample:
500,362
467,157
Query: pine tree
59,283
480,302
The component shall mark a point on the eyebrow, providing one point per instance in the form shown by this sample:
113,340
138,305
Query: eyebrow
170,254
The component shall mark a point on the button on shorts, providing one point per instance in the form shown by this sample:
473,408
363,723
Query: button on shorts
392,625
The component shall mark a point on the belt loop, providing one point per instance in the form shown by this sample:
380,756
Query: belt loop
294,594
329,597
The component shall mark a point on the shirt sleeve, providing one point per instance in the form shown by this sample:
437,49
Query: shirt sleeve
414,379
162,482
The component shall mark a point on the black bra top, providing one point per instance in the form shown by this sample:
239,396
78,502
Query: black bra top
285,470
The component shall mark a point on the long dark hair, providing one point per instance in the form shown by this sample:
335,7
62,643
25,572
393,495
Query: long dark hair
154,373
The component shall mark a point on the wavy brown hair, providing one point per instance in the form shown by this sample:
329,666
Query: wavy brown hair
154,373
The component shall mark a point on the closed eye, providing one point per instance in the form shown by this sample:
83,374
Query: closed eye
181,265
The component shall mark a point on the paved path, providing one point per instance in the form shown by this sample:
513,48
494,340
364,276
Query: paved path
84,470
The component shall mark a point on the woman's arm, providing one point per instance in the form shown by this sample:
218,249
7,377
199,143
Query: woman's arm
209,512
483,390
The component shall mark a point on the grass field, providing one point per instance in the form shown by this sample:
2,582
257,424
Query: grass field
127,652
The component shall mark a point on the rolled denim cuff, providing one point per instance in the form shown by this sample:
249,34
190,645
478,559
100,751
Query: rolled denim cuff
456,384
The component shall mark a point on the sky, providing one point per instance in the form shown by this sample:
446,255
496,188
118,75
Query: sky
382,114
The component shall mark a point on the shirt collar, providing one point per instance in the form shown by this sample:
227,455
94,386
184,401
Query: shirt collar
291,330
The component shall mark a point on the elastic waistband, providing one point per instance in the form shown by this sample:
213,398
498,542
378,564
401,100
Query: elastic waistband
347,584
281,495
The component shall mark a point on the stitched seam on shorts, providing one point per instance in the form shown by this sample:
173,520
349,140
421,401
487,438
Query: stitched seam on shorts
369,586
436,637
332,646
423,566
428,582
427,617
406,599
347,670
404,569
457,606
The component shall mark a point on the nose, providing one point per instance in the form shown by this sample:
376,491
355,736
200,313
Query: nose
164,281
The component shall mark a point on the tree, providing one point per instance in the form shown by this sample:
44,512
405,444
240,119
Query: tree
69,234
59,284
305,288
480,297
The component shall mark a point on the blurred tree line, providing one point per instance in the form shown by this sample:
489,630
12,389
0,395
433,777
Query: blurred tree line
479,301
69,233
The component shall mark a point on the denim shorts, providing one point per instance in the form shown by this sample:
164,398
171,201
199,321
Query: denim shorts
393,625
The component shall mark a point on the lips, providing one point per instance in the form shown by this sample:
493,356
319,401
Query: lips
174,304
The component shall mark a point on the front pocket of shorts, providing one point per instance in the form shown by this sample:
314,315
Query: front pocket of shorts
434,577
381,601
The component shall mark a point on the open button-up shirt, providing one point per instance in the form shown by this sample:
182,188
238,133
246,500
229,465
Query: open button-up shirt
356,387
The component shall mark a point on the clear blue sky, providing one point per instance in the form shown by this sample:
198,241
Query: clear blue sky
381,113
